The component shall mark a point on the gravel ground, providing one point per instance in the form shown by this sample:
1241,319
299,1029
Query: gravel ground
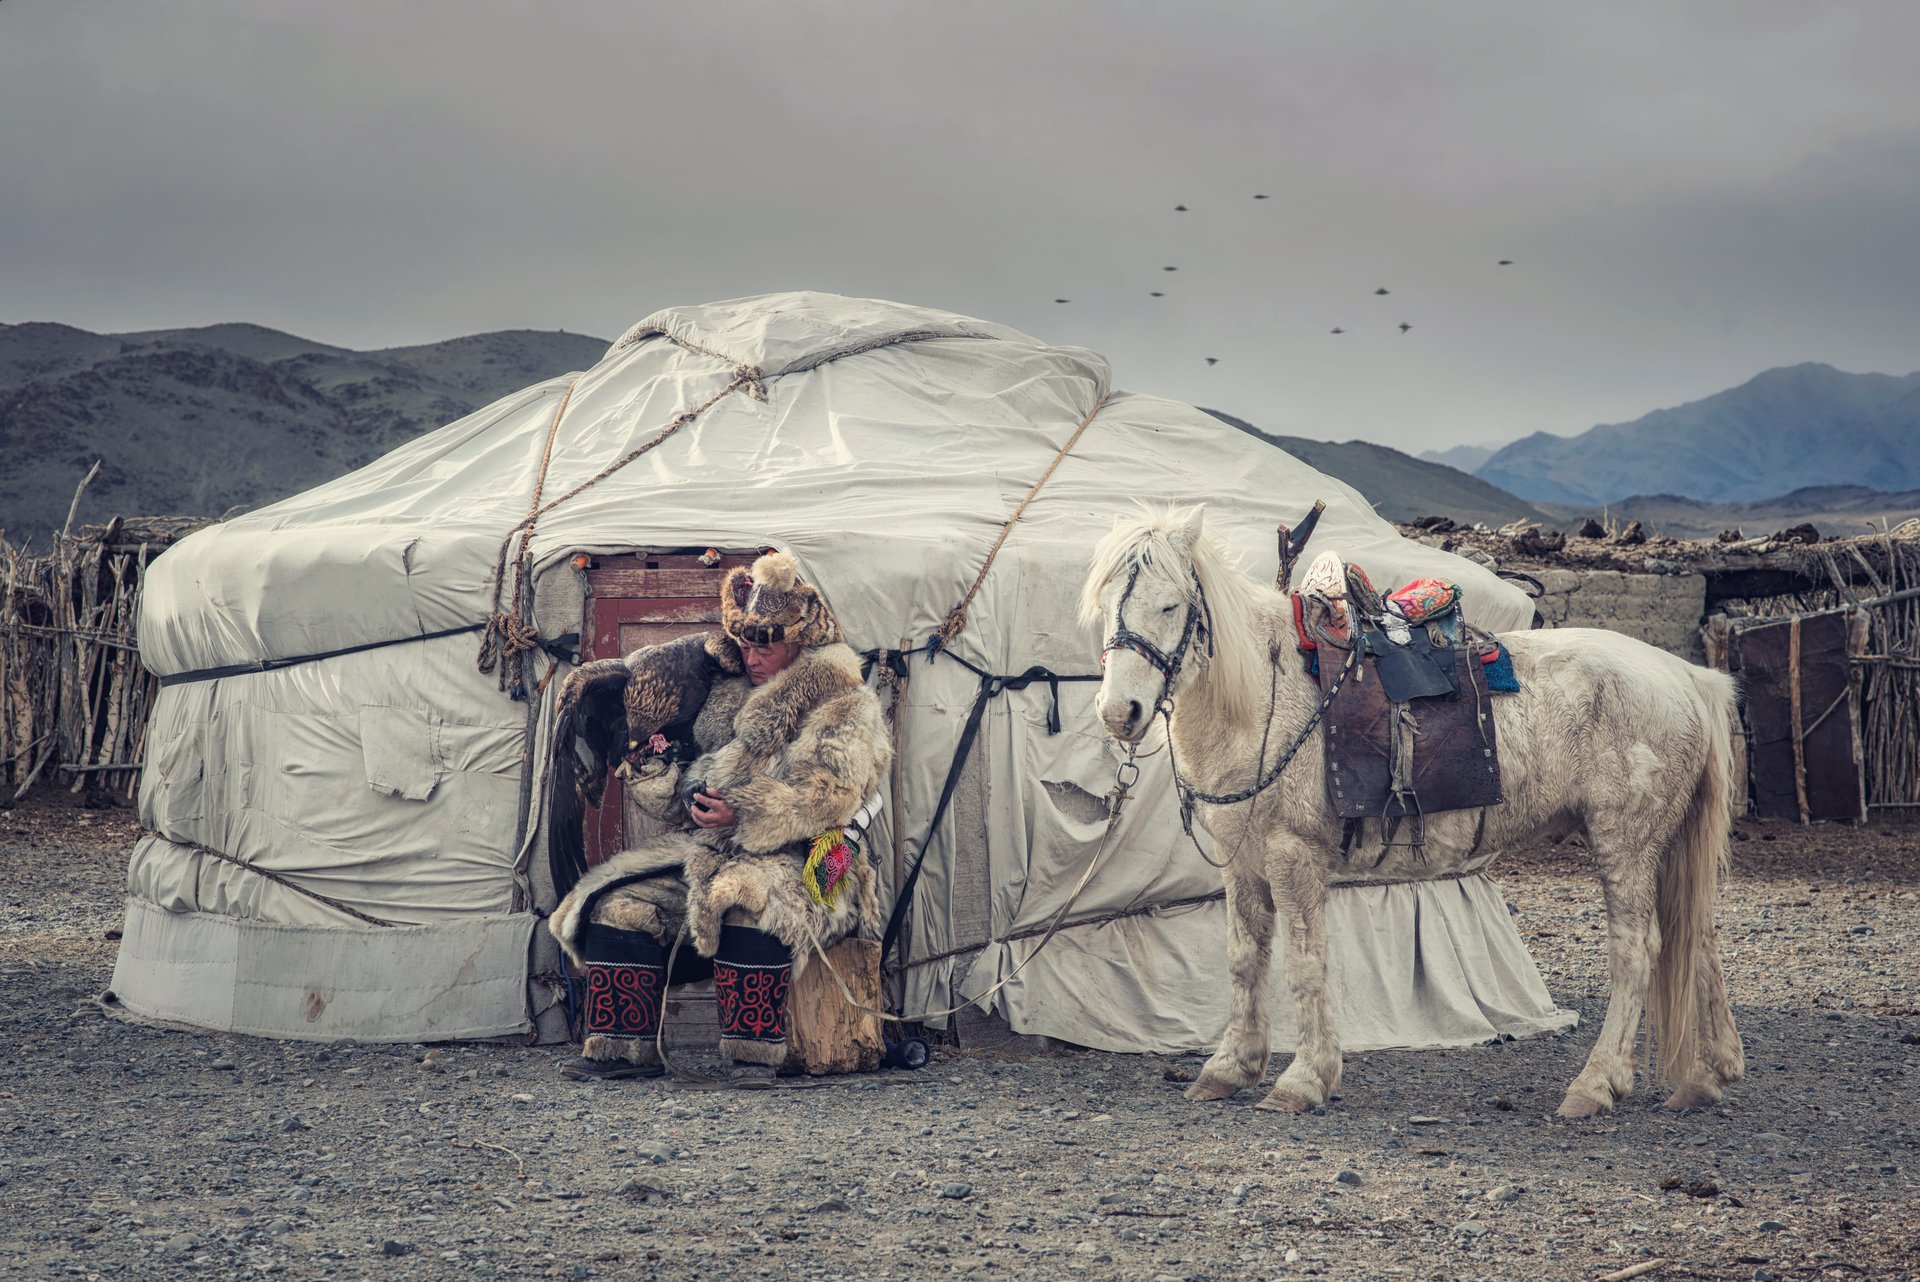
141,1153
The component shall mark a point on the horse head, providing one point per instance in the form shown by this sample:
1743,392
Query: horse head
1146,596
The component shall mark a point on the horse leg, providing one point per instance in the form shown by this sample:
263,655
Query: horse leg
1633,943
1241,1059
1298,881
1722,1060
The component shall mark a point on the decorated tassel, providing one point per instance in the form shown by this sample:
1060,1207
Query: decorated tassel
827,863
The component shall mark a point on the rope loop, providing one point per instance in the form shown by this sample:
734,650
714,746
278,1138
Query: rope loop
510,632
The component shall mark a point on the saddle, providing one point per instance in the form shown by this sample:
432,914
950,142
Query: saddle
1411,731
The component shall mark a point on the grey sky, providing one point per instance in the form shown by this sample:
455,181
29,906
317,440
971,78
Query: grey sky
1691,192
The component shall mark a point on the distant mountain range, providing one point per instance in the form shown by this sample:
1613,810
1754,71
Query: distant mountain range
1845,510
1790,428
1467,458
1400,486
199,421
202,421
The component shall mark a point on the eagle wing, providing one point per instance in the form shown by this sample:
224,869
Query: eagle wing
668,688
588,735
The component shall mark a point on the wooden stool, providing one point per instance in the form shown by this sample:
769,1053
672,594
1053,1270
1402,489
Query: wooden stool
824,1034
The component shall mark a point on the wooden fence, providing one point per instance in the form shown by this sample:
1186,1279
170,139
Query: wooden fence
1885,588
74,697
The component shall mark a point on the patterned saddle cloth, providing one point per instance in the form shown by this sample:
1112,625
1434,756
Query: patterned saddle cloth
1411,732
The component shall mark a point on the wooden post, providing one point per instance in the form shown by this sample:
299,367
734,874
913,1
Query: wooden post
1799,731
824,1034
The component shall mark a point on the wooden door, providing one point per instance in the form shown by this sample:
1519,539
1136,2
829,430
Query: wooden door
1802,723
640,600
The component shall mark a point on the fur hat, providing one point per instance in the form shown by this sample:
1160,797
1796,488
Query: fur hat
769,603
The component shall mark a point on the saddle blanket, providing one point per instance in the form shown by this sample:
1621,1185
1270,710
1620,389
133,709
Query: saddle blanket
1388,759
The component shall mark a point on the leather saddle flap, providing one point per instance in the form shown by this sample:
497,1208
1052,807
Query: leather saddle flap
1420,669
1456,761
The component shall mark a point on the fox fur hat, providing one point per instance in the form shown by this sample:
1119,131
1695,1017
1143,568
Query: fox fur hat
768,603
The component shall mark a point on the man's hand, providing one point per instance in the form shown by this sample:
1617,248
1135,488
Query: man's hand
709,811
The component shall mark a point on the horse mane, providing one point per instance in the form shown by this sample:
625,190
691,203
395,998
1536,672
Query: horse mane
1161,536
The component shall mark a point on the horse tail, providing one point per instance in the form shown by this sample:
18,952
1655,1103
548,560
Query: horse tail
1689,884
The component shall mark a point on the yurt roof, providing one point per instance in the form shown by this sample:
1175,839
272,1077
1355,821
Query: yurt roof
885,445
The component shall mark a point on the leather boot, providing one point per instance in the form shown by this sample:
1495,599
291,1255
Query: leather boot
751,972
626,989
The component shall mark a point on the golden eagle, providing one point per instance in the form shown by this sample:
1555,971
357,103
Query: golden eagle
618,714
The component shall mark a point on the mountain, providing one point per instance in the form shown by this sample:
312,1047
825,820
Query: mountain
1467,458
200,421
1400,486
1788,429
1842,510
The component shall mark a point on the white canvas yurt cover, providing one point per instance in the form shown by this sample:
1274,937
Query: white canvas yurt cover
345,812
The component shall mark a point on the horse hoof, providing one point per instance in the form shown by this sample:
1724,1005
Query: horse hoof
1285,1102
1208,1089
1693,1095
1582,1106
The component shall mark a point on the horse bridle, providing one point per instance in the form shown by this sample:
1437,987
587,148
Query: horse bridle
1200,617
1199,623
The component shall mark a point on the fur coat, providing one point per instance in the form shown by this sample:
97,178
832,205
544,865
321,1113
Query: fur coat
794,757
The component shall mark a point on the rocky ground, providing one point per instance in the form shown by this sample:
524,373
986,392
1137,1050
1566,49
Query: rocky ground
132,1152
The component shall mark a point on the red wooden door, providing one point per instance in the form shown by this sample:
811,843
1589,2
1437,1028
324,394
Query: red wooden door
644,600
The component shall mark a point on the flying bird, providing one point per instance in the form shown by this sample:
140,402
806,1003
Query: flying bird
1382,290
1213,360
1063,300
1155,294
1169,269
1404,327
1260,195
621,712
1337,330
1179,209
1506,262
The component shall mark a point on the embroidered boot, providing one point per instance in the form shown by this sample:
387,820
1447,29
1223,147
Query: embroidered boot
626,987
751,972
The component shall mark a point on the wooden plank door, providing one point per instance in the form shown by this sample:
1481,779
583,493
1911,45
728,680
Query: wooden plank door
1802,723
633,601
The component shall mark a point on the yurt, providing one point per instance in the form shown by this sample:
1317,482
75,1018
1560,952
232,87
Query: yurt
346,765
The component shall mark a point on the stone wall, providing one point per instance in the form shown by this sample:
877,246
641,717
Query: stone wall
1661,609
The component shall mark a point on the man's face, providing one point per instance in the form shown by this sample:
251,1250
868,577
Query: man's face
763,661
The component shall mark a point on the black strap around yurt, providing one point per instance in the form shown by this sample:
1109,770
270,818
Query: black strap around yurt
273,665
990,686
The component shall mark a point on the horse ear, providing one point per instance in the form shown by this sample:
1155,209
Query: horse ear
1187,536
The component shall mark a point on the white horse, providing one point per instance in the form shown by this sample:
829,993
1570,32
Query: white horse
1608,737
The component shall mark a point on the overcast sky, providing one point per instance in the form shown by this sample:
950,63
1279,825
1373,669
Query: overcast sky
1691,192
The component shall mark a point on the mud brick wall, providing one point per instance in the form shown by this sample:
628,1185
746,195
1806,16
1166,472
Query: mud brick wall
1661,609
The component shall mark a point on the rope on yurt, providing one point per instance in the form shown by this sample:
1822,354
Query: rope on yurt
277,879
511,633
1171,905
956,621
274,665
